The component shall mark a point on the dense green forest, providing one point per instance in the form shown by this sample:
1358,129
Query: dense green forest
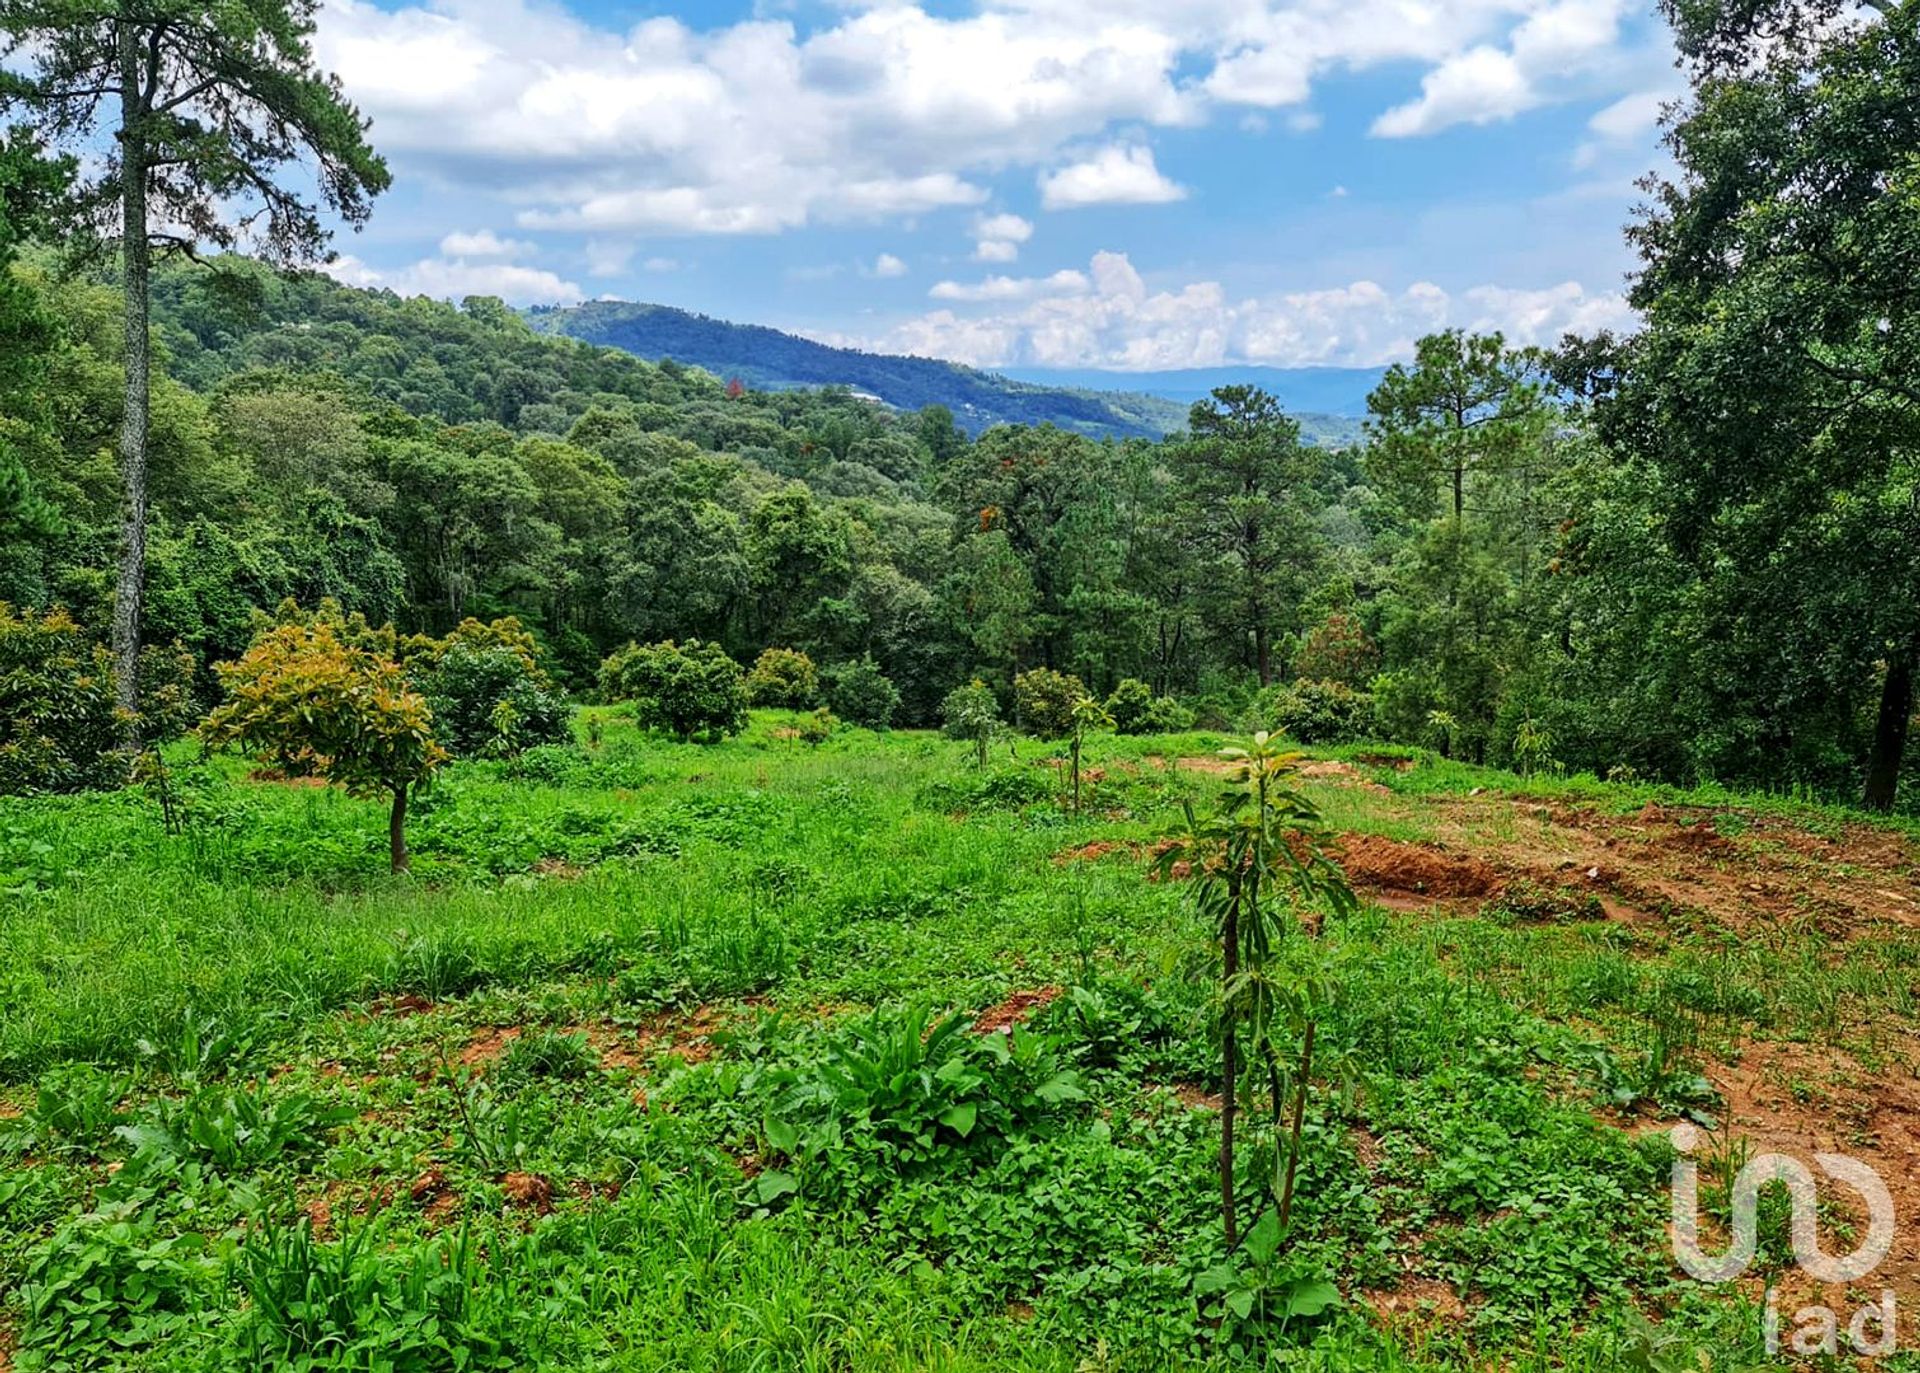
1686,555
424,462
769,359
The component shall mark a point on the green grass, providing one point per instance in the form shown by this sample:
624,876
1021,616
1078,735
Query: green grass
208,1032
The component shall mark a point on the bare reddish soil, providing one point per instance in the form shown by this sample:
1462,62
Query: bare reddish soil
1014,1009
1801,1100
1678,865
1425,869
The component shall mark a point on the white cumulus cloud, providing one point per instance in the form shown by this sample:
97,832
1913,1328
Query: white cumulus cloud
890,110
1114,175
1109,317
997,238
1011,288
448,279
485,245
1544,59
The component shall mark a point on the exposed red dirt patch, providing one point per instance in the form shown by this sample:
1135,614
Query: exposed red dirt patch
1341,774
397,1007
319,1214
436,1200
488,1045
1217,767
1425,869
1416,1301
1014,1009
686,1035
427,1186
590,1191
1800,1100
528,1192
1094,852
1719,867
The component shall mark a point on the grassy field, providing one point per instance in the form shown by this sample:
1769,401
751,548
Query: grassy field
684,1057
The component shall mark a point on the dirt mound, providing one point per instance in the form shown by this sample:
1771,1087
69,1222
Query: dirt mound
528,1191
1424,869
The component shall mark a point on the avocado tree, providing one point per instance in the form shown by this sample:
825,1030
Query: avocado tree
690,688
972,712
1255,863
305,697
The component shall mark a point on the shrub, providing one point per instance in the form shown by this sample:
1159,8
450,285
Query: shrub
487,691
815,729
1129,705
899,1090
860,693
1338,649
342,712
1044,700
167,705
106,1290
972,712
784,677
688,689
58,728
1168,716
1320,712
1134,709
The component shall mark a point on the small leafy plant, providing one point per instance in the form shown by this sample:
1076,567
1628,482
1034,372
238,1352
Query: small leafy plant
972,713
550,1054
1261,1295
900,1089
1256,859
236,1129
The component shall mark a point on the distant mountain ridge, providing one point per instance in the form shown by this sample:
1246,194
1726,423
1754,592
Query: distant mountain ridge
770,359
1338,391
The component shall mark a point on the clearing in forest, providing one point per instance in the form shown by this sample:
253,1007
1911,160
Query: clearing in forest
761,1054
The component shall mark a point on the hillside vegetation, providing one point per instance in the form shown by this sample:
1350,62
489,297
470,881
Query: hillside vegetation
762,1055
1107,406
1488,574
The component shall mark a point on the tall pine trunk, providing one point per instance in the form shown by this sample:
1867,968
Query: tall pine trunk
135,258
1890,731
1229,1070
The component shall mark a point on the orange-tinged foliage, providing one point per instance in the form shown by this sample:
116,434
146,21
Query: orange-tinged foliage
305,696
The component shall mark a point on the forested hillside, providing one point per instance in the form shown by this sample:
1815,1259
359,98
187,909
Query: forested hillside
1505,590
1332,392
769,359
1097,405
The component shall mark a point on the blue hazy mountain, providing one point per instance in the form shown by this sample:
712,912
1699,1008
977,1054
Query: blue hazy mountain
769,359
1309,390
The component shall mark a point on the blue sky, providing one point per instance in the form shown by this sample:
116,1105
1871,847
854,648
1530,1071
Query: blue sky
1089,183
